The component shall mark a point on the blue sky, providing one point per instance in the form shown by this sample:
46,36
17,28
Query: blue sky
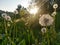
11,5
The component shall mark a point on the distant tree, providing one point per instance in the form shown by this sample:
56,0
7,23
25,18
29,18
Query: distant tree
19,7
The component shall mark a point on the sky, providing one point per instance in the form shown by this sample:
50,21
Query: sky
11,5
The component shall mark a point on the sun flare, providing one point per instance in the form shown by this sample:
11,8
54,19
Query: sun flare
33,10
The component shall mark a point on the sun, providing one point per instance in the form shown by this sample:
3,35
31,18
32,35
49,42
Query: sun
33,10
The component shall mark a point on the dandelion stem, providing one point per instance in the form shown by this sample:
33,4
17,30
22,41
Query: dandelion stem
48,36
5,30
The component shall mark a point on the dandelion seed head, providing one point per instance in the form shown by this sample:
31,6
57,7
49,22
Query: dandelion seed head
46,20
15,12
43,30
4,15
54,13
55,6
8,18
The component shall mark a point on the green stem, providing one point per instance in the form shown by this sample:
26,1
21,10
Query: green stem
5,31
5,27
11,41
2,30
29,34
16,32
48,36
14,27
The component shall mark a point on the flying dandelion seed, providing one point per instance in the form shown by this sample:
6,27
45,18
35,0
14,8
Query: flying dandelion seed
46,20
43,30
55,6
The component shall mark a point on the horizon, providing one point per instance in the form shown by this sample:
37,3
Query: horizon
11,5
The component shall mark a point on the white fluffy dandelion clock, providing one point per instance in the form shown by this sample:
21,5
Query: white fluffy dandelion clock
46,20
55,6
15,12
4,15
43,30
8,18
